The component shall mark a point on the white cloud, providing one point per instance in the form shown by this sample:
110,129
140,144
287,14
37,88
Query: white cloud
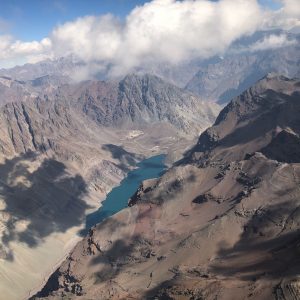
161,31
13,51
272,41
292,8
89,38
287,17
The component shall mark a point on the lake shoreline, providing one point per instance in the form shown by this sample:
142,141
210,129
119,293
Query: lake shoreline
117,198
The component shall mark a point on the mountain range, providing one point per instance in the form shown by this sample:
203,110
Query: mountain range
217,79
221,223
232,75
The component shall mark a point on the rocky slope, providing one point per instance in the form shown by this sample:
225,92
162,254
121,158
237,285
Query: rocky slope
223,223
133,101
138,100
251,120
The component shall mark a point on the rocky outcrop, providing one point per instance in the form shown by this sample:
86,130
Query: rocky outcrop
284,147
145,187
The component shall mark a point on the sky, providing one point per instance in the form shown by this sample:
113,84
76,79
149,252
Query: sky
34,19
126,34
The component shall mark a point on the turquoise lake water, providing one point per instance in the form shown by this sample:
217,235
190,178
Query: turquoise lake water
117,199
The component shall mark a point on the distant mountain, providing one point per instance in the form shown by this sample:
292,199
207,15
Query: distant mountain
135,100
13,90
148,98
179,74
133,103
58,67
227,78
219,78
222,223
138,100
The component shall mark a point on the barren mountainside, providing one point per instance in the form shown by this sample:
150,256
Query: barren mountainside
222,223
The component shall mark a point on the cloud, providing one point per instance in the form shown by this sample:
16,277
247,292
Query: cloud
291,8
286,17
89,38
15,51
272,41
160,31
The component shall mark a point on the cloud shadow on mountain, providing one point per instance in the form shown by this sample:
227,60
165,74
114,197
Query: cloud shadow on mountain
38,201
264,248
126,159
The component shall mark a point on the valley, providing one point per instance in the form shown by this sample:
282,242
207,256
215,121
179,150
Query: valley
150,150
222,222
63,151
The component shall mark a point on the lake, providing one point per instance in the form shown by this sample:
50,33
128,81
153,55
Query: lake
117,199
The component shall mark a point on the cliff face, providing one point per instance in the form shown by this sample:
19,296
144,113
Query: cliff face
221,223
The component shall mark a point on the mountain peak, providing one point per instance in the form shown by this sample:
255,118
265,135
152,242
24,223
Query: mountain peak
248,122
